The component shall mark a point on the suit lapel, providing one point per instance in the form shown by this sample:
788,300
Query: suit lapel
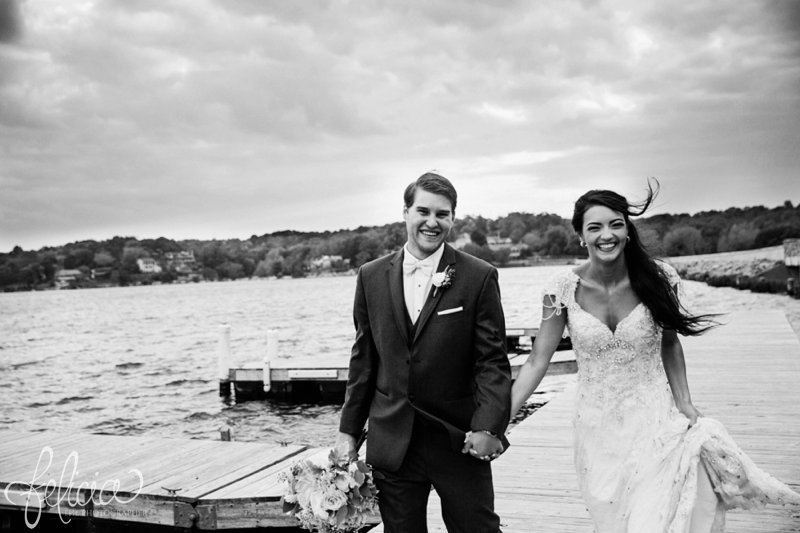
395,280
448,258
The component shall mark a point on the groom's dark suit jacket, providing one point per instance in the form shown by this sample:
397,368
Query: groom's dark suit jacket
450,367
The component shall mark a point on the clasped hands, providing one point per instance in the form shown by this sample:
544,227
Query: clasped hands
482,445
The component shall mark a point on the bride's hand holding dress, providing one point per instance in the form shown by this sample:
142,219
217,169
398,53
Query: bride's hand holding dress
690,412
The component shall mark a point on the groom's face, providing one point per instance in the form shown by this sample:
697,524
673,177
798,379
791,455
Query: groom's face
428,221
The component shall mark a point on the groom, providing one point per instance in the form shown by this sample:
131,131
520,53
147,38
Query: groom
429,370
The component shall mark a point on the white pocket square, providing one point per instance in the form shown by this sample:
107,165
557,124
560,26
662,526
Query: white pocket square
450,311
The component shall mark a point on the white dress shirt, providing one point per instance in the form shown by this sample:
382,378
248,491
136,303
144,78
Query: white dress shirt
417,276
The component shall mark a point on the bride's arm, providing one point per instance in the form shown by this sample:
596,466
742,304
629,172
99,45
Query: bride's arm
675,367
547,339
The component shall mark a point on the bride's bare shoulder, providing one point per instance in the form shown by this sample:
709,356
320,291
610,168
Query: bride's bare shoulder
580,270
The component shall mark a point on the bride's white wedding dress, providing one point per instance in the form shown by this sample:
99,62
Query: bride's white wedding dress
636,459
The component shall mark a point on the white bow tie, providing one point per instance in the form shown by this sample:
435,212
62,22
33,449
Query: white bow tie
411,265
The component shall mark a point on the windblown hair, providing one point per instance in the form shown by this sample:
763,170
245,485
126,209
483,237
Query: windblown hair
433,183
648,280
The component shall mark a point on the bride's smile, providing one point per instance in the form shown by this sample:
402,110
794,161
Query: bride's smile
604,232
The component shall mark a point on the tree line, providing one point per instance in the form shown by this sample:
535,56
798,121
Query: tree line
517,238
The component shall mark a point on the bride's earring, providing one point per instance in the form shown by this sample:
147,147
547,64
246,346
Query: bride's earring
628,238
583,244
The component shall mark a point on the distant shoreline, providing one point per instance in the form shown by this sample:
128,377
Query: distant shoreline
759,271
744,262
695,267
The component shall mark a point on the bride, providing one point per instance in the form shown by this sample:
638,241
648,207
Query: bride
646,459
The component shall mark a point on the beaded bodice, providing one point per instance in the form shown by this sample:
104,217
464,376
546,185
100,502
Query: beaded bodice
616,366
616,369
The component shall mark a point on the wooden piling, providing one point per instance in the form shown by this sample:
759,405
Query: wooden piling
270,354
224,360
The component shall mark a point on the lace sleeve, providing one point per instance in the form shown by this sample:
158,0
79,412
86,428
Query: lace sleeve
557,293
673,277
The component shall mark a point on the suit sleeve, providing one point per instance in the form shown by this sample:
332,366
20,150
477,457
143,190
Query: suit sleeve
362,368
492,369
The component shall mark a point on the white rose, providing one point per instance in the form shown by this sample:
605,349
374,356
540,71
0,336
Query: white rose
335,500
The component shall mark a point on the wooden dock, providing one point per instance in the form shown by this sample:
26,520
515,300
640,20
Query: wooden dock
323,378
197,484
745,374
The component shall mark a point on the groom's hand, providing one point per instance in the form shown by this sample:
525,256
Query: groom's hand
347,444
482,445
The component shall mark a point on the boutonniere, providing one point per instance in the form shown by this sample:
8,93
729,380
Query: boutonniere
443,279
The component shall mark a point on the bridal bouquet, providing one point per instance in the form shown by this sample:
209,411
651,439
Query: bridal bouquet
329,494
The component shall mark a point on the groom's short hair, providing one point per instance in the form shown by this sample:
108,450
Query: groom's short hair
433,183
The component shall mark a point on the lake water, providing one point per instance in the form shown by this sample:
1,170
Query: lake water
142,360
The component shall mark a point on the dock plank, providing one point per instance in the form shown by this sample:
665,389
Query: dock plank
263,484
221,470
22,460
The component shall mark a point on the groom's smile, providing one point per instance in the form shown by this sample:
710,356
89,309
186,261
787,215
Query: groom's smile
428,222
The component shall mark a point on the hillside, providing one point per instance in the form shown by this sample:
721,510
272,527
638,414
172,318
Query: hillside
515,238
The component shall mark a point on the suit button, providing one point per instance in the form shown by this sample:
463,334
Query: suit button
408,361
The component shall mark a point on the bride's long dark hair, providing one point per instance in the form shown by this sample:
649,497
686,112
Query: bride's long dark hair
648,280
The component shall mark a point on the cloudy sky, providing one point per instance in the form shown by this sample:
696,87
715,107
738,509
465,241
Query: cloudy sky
227,118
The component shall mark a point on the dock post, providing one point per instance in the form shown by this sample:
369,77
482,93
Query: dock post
223,361
272,351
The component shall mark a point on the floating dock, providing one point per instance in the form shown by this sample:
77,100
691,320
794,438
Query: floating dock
323,379
745,374
113,483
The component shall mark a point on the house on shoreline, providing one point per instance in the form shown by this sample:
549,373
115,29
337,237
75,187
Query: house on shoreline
148,265
67,277
181,262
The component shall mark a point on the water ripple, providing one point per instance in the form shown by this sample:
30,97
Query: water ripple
127,366
72,399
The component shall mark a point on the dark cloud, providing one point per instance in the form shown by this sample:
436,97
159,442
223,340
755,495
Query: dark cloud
170,113
787,13
10,21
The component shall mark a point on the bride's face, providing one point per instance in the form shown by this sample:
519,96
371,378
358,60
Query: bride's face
605,233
